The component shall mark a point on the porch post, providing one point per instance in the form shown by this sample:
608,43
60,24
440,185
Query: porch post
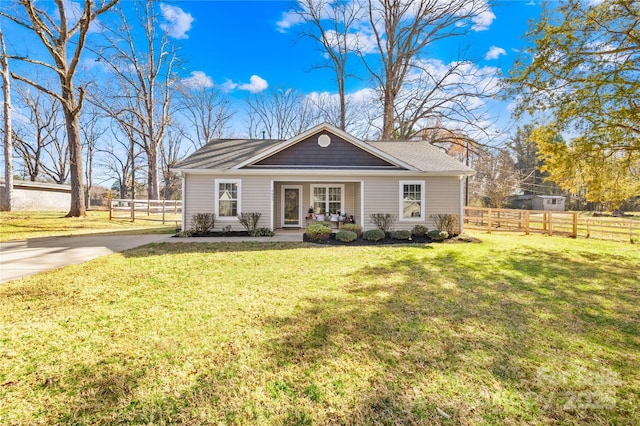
273,194
362,204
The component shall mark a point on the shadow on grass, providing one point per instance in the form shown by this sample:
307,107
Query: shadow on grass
421,330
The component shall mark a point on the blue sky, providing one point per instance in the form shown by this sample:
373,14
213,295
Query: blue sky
245,46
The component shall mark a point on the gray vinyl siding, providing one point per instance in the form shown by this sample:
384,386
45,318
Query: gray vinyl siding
381,195
255,195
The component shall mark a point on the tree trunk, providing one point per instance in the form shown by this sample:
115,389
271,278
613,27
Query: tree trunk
7,203
388,115
77,208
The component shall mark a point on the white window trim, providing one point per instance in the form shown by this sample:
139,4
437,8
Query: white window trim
401,201
329,185
238,182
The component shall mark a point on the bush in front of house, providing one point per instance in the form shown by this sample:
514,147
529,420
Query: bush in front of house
353,227
383,221
201,223
319,231
249,220
446,222
436,235
373,235
261,232
346,236
401,235
419,230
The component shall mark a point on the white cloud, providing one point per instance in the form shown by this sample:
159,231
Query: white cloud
197,80
483,20
178,22
228,86
289,19
257,84
494,53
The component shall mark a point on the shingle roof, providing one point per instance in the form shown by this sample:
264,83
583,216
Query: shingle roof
421,155
223,154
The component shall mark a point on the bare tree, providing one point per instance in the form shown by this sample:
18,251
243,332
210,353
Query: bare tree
496,178
170,154
206,110
7,202
92,130
119,157
143,70
41,143
62,32
280,114
409,89
331,25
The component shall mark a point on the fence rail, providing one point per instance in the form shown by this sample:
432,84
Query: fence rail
572,224
153,210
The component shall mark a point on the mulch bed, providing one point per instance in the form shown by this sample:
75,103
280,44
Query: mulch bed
388,241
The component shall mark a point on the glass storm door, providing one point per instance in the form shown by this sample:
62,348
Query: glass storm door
291,206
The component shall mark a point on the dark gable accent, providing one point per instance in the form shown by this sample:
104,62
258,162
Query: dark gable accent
339,154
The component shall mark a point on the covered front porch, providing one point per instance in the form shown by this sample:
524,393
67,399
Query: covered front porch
297,204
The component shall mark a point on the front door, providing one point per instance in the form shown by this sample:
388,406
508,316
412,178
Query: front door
291,206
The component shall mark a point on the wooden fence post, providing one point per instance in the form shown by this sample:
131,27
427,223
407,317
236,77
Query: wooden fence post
133,210
148,207
490,214
550,215
164,204
526,223
110,208
575,224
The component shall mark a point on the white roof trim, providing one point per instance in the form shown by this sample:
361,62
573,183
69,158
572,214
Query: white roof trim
277,174
330,128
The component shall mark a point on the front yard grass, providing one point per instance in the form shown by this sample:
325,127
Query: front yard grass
23,225
515,330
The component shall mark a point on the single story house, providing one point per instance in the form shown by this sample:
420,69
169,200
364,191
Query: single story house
539,202
323,173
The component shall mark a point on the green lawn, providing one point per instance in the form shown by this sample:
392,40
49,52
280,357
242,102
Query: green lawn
515,330
23,225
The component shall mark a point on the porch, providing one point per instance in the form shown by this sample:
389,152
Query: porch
297,204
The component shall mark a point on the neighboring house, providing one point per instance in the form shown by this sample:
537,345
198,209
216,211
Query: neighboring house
538,202
324,169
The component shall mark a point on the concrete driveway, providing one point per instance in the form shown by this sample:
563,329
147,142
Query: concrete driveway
20,259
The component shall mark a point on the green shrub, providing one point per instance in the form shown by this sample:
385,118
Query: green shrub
346,236
436,235
419,230
373,235
261,232
446,222
353,227
185,234
383,221
202,223
319,231
401,235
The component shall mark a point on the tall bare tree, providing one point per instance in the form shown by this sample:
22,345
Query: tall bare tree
92,129
280,114
331,25
7,202
410,89
206,110
63,33
40,142
143,68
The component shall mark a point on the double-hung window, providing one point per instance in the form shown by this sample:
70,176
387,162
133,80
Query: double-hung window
327,198
412,200
227,198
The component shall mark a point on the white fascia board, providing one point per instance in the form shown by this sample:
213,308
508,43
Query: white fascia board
330,128
336,173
